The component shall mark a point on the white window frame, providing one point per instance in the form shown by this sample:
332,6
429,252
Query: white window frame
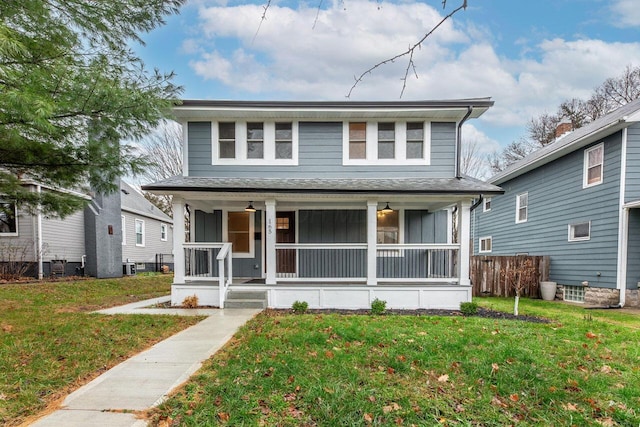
485,239
135,229
585,173
573,293
164,231
571,232
372,144
252,235
269,144
123,223
486,204
15,213
518,207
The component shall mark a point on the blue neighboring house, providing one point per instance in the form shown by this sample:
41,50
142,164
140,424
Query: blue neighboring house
576,200
332,203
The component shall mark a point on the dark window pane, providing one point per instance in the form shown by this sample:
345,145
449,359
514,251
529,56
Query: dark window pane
386,131
386,150
255,131
227,149
284,132
284,150
8,217
415,131
227,130
581,230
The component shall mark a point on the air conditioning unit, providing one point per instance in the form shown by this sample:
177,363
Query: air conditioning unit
129,269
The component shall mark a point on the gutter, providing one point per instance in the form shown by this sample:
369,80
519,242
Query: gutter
476,204
459,140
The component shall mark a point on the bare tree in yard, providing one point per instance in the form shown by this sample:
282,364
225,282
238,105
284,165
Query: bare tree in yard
523,274
472,162
612,94
163,150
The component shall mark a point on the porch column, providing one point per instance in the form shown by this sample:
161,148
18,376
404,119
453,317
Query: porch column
464,234
178,240
270,229
372,238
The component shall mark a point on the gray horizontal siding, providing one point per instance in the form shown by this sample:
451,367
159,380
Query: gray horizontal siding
632,192
63,238
557,199
320,154
23,243
152,243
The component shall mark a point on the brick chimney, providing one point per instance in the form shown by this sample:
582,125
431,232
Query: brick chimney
565,126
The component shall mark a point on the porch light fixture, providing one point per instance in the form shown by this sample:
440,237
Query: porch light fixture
386,209
250,208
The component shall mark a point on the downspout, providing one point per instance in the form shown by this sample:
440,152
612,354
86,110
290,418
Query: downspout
476,204
623,225
459,141
39,237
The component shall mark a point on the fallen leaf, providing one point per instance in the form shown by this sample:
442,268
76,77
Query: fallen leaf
223,416
368,418
401,358
494,368
7,328
399,421
606,422
443,378
372,398
459,408
291,379
328,354
570,407
606,369
393,406
591,335
514,397
289,397
495,401
294,412
390,370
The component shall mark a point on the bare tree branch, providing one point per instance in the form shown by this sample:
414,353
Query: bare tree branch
262,19
315,21
409,52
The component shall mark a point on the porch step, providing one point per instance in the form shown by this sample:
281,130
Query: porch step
246,299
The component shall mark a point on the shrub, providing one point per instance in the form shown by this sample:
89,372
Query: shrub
378,306
300,307
190,301
469,308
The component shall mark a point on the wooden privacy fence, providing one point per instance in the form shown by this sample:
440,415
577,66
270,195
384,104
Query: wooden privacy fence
489,274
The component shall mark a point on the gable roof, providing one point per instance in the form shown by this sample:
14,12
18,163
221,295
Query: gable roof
131,200
453,109
594,131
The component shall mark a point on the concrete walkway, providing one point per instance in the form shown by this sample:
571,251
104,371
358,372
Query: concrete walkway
146,379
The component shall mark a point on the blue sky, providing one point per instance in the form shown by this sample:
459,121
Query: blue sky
528,55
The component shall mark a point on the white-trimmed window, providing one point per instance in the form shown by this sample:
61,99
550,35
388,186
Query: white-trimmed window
8,218
386,143
124,229
580,231
486,204
485,244
388,227
593,165
254,143
239,230
164,230
139,232
522,207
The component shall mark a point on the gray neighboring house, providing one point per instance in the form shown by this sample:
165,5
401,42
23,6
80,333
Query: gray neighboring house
332,203
88,242
578,201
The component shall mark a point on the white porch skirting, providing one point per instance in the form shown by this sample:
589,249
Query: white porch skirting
348,296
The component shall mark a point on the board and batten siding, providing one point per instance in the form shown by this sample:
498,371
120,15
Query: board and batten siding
152,243
63,239
320,154
556,198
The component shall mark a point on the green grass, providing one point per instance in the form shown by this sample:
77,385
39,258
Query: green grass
50,343
329,370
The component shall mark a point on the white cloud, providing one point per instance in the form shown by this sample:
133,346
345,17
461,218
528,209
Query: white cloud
626,13
290,59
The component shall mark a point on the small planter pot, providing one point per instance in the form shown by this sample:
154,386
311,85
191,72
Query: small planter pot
548,290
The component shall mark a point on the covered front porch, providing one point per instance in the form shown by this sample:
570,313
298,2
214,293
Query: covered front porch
332,251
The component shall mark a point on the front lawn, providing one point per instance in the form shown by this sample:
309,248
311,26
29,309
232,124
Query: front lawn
582,368
50,343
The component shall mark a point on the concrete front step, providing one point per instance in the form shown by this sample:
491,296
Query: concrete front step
246,299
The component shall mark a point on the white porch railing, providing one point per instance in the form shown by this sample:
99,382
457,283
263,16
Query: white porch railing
435,263
209,261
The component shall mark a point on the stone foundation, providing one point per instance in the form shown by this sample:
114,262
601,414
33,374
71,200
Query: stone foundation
605,296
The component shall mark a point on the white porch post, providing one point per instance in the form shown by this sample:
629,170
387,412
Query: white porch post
464,234
372,238
178,240
270,230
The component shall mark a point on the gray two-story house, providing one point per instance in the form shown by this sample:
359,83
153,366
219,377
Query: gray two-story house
577,201
332,203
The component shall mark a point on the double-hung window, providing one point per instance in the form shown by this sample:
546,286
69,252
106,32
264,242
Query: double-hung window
522,207
255,140
254,143
357,140
593,165
386,143
139,232
386,140
486,205
163,232
284,140
227,140
8,218
485,244
415,140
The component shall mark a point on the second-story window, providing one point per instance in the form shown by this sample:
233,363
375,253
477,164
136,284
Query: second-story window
522,207
386,140
357,140
284,141
415,140
255,140
593,162
227,140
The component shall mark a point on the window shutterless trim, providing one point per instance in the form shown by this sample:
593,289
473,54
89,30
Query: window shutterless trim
518,207
485,239
487,201
571,232
586,167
